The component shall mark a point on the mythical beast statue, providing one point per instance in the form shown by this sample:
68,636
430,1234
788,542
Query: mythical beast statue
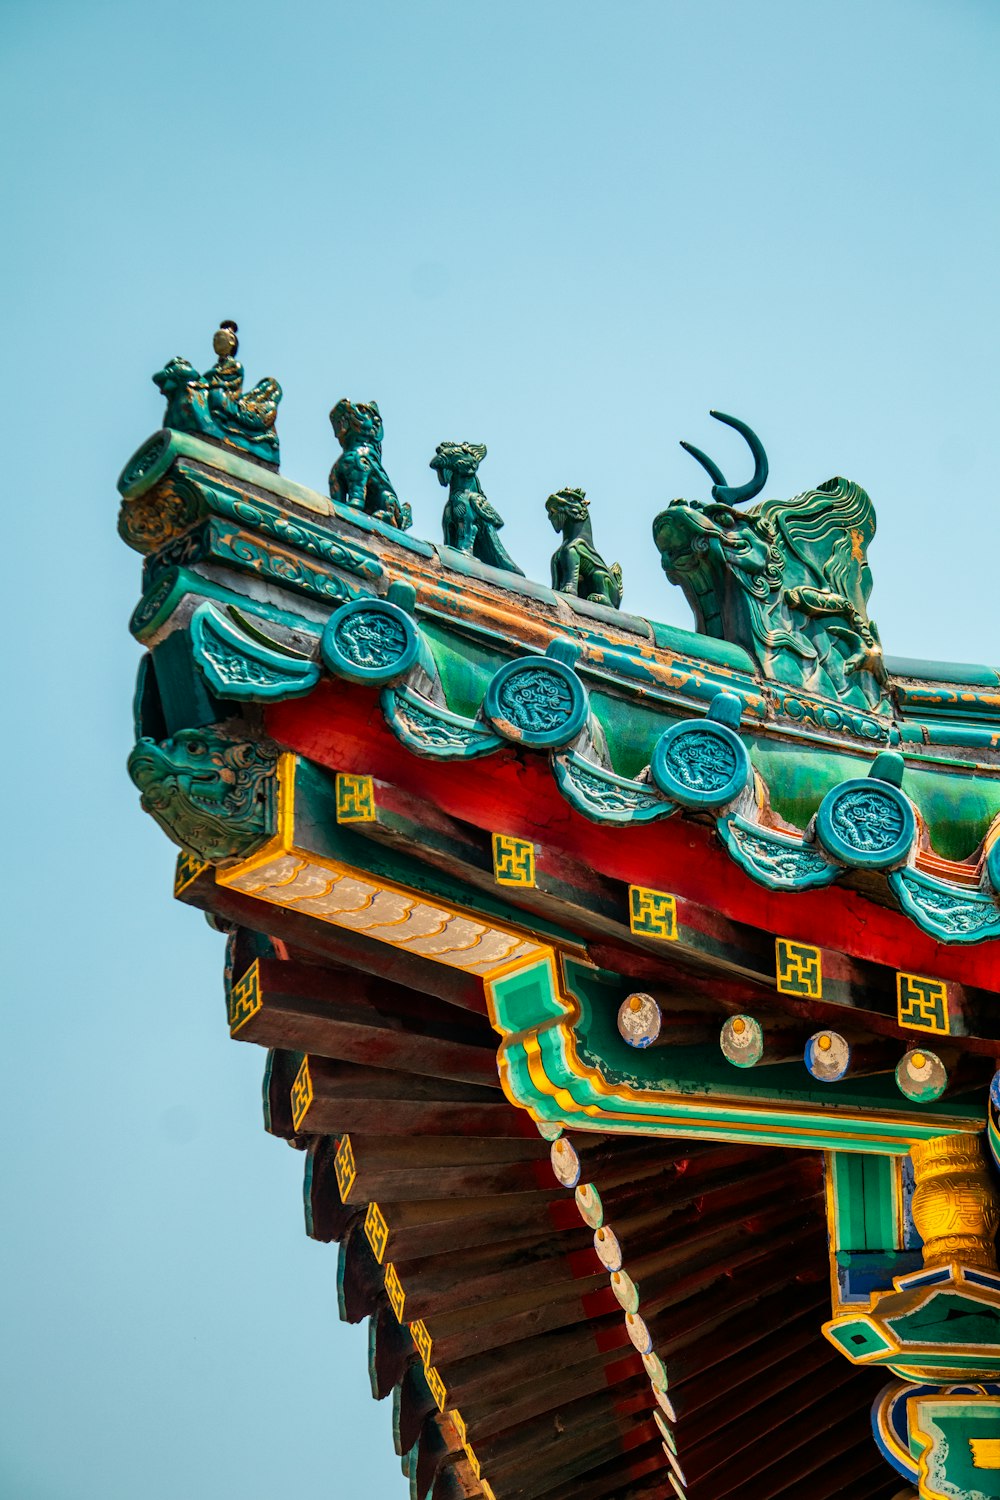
215,405
212,794
358,477
577,566
788,580
470,523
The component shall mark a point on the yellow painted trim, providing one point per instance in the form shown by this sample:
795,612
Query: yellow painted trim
760,1115
376,1229
245,998
301,1093
394,1291
437,1388
187,870
985,1453
912,1005
345,1168
918,1437
652,914
283,844
423,1340
798,969
355,798
513,860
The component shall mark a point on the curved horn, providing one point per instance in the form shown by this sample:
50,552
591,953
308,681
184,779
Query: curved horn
729,494
711,468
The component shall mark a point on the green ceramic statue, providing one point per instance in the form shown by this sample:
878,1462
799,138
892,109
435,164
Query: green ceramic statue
470,523
577,566
788,580
212,794
215,405
358,478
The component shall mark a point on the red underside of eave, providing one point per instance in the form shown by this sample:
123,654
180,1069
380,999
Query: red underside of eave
342,728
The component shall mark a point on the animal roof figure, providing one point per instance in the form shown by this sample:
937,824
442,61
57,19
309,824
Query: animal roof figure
215,405
358,477
788,580
577,566
470,523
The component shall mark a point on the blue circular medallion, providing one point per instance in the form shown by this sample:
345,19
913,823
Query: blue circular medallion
700,763
866,823
537,701
370,640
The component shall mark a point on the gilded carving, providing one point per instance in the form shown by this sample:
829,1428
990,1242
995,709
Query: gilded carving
955,1205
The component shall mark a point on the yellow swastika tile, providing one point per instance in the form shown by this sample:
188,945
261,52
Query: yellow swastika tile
437,1387
652,913
394,1291
922,1003
513,860
422,1339
376,1230
302,1093
799,969
355,799
244,998
187,871
345,1168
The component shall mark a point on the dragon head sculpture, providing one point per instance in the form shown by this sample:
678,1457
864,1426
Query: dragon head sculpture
567,505
357,422
788,580
214,795
457,458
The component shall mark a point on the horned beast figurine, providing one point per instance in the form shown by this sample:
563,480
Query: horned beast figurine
788,580
215,405
470,523
577,566
358,478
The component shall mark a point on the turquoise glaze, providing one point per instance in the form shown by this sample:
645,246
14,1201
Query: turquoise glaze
867,824
371,641
215,405
470,523
703,763
236,664
537,701
577,566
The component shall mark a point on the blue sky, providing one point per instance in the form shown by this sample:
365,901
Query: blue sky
562,229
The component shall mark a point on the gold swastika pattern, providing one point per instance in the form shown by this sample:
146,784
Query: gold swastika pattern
394,1291
458,1422
422,1339
922,1003
437,1387
513,860
355,799
187,871
652,913
376,1230
474,1463
345,1168
799,969
244,998
302,1093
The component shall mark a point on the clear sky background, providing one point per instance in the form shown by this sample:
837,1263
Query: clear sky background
562,228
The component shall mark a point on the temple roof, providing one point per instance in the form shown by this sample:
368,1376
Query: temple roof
574,938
